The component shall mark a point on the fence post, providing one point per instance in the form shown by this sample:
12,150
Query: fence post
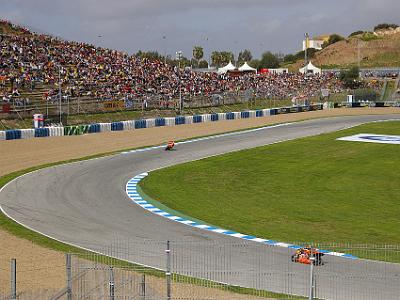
111,283
143,287
311,294
69,275
13,279
168,271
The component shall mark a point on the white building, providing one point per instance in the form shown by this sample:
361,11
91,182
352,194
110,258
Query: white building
316,44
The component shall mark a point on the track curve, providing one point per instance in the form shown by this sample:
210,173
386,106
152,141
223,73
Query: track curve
84,204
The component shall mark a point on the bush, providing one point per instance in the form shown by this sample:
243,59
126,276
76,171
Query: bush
356,33
385,26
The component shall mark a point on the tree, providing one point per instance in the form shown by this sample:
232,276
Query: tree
333,38
198,53
245,56
269,60
221,58
226,57
203,64
216,58
385,26
350,77
290,58
255,63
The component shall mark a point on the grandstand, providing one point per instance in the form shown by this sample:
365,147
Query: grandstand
33,66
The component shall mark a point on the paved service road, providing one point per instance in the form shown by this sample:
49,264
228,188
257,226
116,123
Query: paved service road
85,204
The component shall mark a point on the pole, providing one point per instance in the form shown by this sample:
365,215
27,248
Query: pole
305,53
143,288
311,294
69,275
59,90
168,271
111,284
13,279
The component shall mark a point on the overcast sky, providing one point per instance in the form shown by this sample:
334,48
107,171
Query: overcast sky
171,25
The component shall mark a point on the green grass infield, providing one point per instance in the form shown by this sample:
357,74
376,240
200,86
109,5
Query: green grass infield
315,189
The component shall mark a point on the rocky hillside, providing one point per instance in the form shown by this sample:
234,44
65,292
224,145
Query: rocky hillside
381,49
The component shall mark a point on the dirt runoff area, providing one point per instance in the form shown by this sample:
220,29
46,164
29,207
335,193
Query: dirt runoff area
43,269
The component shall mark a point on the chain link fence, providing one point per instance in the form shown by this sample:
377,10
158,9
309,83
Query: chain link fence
214,270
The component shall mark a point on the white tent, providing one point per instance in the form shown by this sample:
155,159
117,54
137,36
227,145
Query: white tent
310,69
247,68
227,68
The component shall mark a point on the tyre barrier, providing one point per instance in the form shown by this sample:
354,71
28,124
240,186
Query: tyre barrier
160,122
128,125
14,134
230,116
197,119
57,131
27,133
273,112
117,126
179,120
147,123
206,117
188,119
284,110
104,127
76,130
244,115
41,132
2,135
139,124
94,128
150,123
237,115
221,116
169,121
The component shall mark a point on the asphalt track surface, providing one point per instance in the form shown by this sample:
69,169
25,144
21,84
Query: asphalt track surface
85,204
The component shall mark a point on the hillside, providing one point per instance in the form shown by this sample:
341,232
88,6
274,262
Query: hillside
375,51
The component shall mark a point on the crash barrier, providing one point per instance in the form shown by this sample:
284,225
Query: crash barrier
76,130
105,127
150,123
188,119
117,126
128,125
58,131
14,134
230,116
221,116
244,115
179,120
140,124
147,123
169,121
160,122
94,128
197,119
42,132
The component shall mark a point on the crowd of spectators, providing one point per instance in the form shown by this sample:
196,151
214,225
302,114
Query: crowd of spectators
86,70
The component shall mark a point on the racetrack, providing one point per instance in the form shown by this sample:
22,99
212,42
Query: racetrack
85,204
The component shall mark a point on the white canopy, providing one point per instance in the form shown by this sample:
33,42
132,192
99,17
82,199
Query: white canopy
228,67
310,69
247,68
